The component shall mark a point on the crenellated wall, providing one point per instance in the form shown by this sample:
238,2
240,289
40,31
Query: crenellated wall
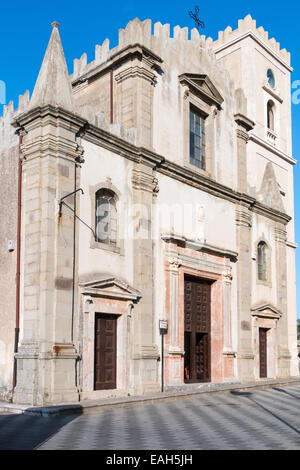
137,32
248,24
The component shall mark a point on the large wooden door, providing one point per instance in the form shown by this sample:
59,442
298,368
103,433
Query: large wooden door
105,351
263,352
197,330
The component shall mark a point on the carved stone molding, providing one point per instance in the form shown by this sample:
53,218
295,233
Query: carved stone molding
280,235
227,275
144,181
243,217
243,122
155,187
241,134
136,71
175,264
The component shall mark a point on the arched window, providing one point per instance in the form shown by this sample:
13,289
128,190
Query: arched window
106,217
262,261
270,115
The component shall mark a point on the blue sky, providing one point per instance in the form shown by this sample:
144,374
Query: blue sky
25,30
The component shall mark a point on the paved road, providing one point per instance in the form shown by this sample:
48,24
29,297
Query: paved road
267,419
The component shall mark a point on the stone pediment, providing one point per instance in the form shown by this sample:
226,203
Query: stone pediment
201,84
112,288
266,310
269,193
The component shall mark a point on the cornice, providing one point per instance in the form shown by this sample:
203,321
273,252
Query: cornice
258,140
142,155
193,178
180,173
244,122
60,116
272,93
271,213
126,54
291,244
199,246
136,71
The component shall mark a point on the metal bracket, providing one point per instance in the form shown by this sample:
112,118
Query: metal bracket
61,203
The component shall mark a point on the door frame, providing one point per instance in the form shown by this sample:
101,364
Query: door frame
268,317
108,296
265,331
115,333
206,333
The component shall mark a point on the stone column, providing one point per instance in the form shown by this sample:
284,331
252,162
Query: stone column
47,355
144,185
284,356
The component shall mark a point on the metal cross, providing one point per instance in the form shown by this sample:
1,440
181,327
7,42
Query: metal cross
195,16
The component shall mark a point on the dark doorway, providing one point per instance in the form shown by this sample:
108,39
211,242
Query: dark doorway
263,352
197,330
105,351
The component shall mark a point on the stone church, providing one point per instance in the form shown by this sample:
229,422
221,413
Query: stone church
153,183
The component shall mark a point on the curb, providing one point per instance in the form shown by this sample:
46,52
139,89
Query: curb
92,406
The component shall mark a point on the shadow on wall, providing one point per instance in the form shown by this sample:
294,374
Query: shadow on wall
27,432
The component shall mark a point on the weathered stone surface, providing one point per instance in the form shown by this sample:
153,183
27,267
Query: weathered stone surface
120,124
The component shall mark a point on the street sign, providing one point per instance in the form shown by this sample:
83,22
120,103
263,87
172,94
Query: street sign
163,325
163,328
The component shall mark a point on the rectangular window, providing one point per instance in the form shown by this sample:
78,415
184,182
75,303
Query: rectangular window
197,139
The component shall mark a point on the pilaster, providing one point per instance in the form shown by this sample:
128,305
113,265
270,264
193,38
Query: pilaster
145,354
245,355
135,82
284,356
47,354
244,125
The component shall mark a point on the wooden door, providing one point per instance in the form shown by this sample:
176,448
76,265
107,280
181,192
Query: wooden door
263,352
197,330
105,351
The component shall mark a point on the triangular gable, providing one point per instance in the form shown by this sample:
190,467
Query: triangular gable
201,84
110,288
266,310
269,193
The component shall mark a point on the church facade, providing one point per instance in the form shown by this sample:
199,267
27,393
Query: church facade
154,183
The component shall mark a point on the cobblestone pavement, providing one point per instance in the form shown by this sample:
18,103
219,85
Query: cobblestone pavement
267,419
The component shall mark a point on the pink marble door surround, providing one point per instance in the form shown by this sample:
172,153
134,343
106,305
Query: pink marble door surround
179,262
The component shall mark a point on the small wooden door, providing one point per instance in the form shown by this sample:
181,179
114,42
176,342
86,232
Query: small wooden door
197,330
105,351
263,352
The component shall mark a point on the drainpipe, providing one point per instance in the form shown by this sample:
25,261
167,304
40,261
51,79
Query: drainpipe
111,96
74,251
18,274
